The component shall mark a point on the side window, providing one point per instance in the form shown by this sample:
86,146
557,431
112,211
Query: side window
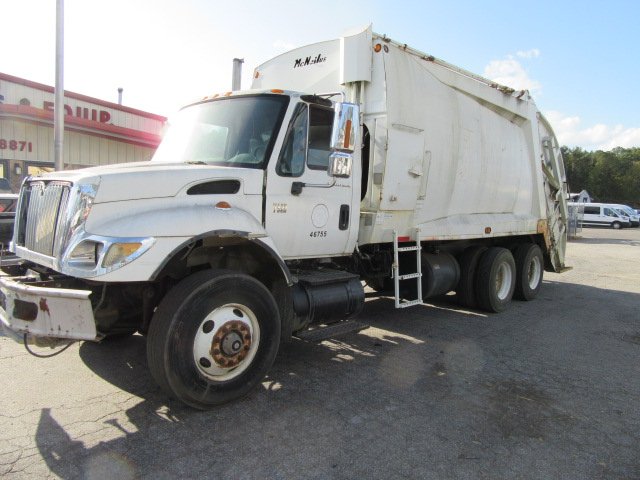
609,213
592,210
294,152
321,122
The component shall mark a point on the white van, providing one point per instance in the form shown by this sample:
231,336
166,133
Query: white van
602,215
634,217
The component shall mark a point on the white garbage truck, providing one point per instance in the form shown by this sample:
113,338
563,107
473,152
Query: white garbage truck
264,214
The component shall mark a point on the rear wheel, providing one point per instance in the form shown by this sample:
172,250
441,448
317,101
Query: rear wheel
495,279
213,338
529,271
380,284
466,290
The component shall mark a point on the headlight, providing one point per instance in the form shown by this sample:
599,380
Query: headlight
93,255
80,202
85,254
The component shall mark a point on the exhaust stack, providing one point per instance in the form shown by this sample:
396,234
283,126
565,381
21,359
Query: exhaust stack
236,76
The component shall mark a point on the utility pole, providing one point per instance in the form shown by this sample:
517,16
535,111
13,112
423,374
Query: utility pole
58,109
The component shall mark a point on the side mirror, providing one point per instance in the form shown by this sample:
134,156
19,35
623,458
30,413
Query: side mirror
345,127
340,165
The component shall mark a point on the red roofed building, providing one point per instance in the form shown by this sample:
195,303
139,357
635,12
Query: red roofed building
96,132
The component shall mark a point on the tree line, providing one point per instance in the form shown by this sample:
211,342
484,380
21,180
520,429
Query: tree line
609,177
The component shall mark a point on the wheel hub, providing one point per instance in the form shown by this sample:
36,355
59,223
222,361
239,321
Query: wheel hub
230,344
503,281
535,270
226,342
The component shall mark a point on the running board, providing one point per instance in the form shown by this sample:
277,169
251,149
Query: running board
331,331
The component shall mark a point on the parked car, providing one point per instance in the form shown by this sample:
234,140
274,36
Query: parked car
634,217
602,215
624,215
8,202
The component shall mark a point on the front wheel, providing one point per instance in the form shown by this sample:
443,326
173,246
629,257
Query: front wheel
213,338
616,225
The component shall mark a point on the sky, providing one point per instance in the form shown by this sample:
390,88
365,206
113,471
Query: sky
580,60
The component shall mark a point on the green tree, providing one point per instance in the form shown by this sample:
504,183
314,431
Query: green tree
612,176
577,163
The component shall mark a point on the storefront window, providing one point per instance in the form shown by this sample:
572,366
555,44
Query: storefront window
34,169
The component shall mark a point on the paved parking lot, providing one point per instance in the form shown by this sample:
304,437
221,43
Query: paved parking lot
548,389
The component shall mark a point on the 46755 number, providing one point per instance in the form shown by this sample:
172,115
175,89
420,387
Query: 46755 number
318,234
17,145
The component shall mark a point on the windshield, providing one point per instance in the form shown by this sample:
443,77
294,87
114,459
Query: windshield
231,131
629,211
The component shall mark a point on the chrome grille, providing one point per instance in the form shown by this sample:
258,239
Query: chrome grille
46,205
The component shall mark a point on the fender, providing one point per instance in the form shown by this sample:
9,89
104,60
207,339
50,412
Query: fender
183,223
264,242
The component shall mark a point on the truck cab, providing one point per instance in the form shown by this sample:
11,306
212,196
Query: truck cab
286,164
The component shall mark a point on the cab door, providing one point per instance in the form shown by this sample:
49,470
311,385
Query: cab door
308,213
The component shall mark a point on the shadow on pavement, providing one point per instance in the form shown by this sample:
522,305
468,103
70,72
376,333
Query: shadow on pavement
433,381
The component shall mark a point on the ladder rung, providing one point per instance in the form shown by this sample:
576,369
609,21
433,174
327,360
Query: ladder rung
409,303
409,275
409,249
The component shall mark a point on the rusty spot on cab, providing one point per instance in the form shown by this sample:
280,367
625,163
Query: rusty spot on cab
44,307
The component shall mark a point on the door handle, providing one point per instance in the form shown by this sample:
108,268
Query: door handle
343,221
296,187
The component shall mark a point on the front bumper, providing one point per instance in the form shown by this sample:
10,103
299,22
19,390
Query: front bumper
30,307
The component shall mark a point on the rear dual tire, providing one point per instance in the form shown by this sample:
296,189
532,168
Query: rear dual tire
466,289
491,277
530,269
495,279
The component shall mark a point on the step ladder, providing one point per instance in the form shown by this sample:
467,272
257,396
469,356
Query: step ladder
396,270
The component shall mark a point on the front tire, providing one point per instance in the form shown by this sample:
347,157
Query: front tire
495,279
616,225
213,338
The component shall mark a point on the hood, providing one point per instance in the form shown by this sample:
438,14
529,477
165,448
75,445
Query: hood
144,180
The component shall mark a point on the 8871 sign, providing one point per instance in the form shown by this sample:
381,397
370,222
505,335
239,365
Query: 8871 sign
16,145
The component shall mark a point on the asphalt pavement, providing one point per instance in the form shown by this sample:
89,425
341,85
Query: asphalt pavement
549,389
